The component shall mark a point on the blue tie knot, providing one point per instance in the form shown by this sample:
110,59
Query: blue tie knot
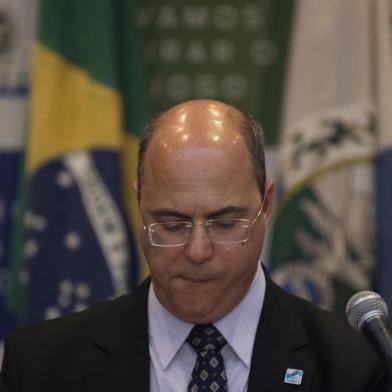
205,337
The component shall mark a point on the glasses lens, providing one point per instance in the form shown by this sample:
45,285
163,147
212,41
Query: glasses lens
219,231
169,233
228,230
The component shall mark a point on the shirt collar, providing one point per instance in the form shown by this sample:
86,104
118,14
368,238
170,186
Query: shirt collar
240,325
237,326
167,333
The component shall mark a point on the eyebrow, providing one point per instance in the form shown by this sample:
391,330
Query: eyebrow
227,210
166,213
161,213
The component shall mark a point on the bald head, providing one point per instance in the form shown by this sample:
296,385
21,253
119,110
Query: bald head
204,124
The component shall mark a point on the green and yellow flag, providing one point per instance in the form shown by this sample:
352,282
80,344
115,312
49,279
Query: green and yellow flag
87,110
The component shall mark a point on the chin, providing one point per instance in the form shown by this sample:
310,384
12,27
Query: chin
195,312
197,318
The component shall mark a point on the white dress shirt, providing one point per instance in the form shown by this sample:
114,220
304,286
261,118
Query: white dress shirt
172,359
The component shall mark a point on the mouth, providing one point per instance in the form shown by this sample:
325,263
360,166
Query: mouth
194,280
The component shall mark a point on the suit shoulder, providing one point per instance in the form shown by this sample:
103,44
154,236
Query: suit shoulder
332,337
343,356
77,325
325,325
311,316
324,322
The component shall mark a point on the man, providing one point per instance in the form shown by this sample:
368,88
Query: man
210,318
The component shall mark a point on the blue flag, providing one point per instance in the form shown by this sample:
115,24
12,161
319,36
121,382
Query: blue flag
17,19
77,245
383,89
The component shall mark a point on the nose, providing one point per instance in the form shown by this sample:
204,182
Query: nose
199,248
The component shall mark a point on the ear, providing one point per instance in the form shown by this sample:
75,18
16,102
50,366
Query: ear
135,187
268,201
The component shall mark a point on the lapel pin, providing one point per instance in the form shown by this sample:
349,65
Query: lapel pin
293,376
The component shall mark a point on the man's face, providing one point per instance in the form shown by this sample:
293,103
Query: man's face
201,281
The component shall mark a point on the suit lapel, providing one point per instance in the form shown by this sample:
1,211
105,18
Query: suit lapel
119,360
281,343
119,353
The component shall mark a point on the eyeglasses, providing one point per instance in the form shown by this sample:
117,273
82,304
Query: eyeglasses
220,231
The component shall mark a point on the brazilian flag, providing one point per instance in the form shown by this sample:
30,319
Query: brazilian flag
87,109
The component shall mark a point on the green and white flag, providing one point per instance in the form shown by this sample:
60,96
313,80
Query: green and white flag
322,245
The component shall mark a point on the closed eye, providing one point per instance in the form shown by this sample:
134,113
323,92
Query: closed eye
173,226
225,224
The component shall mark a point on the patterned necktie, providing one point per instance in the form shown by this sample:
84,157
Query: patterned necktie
209,373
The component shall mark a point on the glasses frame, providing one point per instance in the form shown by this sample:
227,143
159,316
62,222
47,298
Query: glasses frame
249,223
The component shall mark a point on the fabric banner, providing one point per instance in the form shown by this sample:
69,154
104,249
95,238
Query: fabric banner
233,51
86,112
17,19
323,234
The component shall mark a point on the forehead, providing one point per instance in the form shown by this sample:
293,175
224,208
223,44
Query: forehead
197,153
206,175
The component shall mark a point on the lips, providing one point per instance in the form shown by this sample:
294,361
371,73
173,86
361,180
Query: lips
194,280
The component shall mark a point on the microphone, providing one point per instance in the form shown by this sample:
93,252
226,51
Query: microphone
367,311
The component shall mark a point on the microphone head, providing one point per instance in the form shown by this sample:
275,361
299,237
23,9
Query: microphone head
365,306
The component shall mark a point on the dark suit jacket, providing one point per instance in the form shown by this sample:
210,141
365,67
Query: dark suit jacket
106,349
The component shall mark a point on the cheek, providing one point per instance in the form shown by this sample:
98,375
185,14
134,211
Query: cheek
242,262
256,240
235,261
162,262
